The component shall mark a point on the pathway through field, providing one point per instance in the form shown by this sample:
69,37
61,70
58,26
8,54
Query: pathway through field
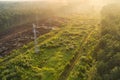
70,67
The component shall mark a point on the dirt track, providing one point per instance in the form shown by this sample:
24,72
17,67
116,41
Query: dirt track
75,59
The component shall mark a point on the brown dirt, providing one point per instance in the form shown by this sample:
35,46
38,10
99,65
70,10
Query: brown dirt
16,37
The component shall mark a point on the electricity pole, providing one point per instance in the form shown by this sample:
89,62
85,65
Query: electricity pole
35,39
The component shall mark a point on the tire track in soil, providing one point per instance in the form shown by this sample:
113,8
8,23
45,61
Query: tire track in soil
67,70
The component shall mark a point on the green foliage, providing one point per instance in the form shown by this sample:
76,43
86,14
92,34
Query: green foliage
107,56
13,14
57,48
98,49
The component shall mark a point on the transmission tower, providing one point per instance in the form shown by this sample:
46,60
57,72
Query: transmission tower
35,39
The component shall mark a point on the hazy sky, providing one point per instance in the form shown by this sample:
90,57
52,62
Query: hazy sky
91,1
94,2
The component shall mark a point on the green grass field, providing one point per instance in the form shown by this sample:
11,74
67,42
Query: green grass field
85,44
57,49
